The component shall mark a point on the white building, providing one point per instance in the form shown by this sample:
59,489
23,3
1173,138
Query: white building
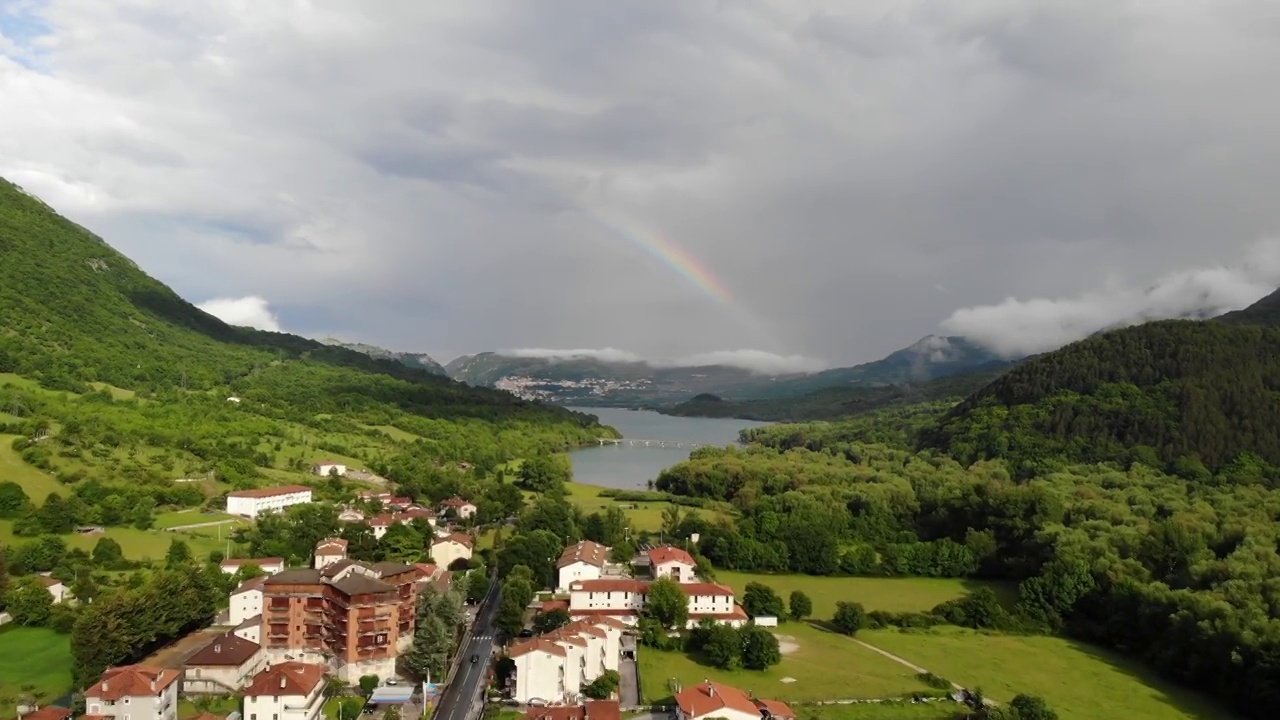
246,600
251,503
451,548
327,468
555,667
59,591
623,598
583,560
270,565
140,692
223,667
288,691
716,700
672,562
462,509
250,629
329,551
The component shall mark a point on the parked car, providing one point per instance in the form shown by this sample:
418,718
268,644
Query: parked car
475,658
391,681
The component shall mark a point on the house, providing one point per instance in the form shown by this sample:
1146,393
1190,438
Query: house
556,666
329,551
379,524
55,587
462,509
623,598
712,699
447,550
134,691
222,667
672,562
251,503
583,560
353,616
591,710
328,468
49,712
246,600
288,691
250,629
268,565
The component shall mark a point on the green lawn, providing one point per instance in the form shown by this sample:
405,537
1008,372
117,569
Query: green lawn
33,656
1079,681
37,484
643,515
193,516
138,544
220,706
892,594
882,711
825,666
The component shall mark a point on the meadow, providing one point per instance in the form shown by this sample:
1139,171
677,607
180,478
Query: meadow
1079,681
36,657
140,544
937,710
822,665
907,594
644,516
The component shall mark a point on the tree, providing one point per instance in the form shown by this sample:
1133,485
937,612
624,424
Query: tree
428,656
545,622
13,501
723,647
28,602
667,604
178,556
541,473
1030,707
801,605
477,584
368,683
402,543
849,617
604,686
760,600
391,713
517,593
760,649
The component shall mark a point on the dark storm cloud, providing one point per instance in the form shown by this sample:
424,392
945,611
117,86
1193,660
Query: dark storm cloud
471,176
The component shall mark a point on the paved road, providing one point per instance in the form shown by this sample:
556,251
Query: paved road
462,699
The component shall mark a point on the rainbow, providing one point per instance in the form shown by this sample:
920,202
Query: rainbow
676,258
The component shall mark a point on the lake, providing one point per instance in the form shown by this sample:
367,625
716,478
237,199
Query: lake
630,468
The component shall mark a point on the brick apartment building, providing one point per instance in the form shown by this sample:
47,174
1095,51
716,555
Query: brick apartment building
353,617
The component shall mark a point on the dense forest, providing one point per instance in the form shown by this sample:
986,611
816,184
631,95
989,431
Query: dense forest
1195,398
837,402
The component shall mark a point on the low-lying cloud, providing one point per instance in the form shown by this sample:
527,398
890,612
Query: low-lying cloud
252,311
757,361
1022,327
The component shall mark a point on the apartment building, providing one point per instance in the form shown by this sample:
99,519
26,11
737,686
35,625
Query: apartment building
287,691
251,503
246,600
222,667
134,692
623,598
355,618
584,560
671,562
556,666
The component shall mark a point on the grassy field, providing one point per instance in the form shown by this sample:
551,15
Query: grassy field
825,666
193,516
882,711
643,515
892,594
138,544
33,656
1080,682
37,484
220,706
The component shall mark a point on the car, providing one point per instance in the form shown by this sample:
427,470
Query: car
391,681
475,658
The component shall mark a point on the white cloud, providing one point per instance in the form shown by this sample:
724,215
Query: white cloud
602,354
758,361
1021,327
246,312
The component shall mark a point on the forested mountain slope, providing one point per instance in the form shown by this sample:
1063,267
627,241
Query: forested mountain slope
1194,396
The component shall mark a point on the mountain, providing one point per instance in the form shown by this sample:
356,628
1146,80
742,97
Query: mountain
591,381
1265,312
422,361
1191,396
76,316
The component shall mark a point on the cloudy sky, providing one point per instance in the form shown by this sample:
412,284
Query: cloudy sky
815,181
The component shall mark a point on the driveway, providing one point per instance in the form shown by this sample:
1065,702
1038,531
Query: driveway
628,672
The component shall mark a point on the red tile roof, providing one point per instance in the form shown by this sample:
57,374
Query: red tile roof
457,502
225,651
254,583
706,698
464,540
776,709
208,716
692,589
669,553
551,605
329,546
591,553
287,678
593,710
269,492
610,585
47,581
536,644
132,681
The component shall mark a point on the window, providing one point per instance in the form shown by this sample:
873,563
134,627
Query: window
253,716
126,701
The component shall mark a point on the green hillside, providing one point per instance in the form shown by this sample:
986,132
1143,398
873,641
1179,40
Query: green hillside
1194,396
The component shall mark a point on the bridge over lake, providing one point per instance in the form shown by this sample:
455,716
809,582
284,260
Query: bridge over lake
639,442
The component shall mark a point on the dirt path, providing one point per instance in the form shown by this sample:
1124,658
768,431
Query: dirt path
200,525
898,659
